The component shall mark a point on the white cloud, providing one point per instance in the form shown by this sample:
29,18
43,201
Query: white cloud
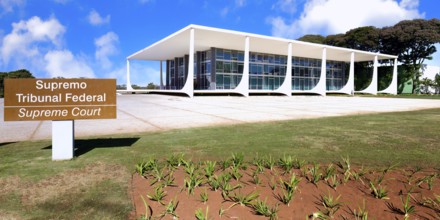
288,6
63,63
224,11
61,1
338,16
26,36
145,1
105,47
240,3
96,19
37,45
8,5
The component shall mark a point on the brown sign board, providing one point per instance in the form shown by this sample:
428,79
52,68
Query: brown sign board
59,99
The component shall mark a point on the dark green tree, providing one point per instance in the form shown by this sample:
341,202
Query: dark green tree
363,38
312,38
336,40
14,74
151,86
413,41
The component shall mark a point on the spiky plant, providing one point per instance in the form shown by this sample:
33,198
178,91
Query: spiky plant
200,215
315,174
192,182
148,211
361,213
407,208
269,162
242,199
204,196
261,208
209,168
378,191
331,204
329,171
158,194
170,209
286,162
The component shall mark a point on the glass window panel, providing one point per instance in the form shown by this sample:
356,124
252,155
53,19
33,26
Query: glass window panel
219,80
260,69
227,55
227,67
227,81
240,56
219,66
219,53
240,68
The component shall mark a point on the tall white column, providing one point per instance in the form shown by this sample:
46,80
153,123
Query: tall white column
286,86
350,81
243,87
372,88
189,84
392,88
128,76
320,88
161,76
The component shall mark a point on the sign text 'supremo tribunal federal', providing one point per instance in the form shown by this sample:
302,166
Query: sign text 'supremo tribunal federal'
59,99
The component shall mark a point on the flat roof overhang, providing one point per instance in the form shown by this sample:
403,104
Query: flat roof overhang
177,45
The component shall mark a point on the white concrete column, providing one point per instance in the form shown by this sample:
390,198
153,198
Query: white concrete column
349,86
189,84
128,76
392,88
161,76
372,88
63,139
320,88
350,81
286,86
243,87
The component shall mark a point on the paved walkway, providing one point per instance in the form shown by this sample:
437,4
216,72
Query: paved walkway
141,113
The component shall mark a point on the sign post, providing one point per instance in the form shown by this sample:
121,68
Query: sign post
62,101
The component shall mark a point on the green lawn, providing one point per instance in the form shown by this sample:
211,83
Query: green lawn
96,182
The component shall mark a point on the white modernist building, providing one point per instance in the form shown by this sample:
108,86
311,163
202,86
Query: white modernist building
203,59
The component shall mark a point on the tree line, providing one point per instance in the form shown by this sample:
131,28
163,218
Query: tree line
411,40
13,74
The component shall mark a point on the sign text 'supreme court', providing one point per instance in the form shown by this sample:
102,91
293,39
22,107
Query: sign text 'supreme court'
59,99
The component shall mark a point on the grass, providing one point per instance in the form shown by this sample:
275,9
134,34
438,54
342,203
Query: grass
410,138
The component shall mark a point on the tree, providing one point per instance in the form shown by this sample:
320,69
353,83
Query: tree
425,85
23,73
336,40
311,38
413,41
151,86
436,83
363,38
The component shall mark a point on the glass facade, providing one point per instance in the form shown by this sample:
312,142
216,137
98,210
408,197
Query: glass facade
228,68
305,73
335,75
266,71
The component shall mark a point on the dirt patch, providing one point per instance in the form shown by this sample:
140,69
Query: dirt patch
66,182
353,192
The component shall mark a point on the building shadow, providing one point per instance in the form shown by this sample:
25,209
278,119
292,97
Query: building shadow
6,143
86,145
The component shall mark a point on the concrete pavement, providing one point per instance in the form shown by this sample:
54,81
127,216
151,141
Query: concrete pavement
143,113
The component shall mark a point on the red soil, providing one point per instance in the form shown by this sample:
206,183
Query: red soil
306,201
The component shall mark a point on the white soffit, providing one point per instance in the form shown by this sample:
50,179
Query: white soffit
177,45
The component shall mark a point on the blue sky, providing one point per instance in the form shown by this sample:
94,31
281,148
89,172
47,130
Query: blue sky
88,38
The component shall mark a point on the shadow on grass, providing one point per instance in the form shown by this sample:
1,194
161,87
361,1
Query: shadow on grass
6,143
84,146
